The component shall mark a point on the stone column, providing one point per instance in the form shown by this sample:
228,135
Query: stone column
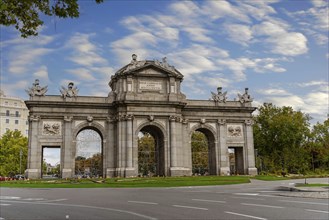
173,148
249,145
68,159
129,171
223,156
121,157
109,153
35,150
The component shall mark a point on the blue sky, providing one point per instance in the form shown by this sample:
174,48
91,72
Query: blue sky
279,49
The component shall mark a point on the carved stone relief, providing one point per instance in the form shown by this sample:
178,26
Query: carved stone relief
234,130
51,128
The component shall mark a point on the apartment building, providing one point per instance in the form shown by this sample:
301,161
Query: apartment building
13,115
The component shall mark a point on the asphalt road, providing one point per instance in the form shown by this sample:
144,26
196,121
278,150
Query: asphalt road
257,200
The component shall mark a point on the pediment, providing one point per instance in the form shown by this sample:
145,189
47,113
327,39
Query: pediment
147,67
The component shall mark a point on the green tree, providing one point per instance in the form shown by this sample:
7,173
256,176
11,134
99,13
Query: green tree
280,134
146,154
199,144
24,14
13,153
318,146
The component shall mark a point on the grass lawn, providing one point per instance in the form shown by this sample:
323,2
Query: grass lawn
313,185
271,178
128,182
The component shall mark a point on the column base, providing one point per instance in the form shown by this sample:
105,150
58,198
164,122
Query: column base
66,173
130,172
180,171
110,172
224,171
252,171
120,172
33,173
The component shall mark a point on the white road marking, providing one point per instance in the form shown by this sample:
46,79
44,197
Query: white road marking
311,203
249,216
204,200
189,207
33,199
260,205
237,197
312,210
3,204
85,206
54,200
9,197
246,194
150,203
2,218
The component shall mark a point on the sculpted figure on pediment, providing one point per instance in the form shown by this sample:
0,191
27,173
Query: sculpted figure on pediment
219,97
36,89
164,64
245,97
134,63
69,92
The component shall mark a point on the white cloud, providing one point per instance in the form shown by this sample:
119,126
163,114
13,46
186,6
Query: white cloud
274,92
239,33
219,9
82,74
42,74
13,89
257,9
289,44
85,53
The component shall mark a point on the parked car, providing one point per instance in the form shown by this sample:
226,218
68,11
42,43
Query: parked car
19,177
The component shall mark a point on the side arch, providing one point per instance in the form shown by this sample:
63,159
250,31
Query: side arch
211,136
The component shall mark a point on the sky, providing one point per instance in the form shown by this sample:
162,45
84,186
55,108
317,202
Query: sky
277,49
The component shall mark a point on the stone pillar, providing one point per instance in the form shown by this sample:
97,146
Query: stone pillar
173,149
121,157
249,148
129,170
35,150
109,153
176,157
67,158
224,168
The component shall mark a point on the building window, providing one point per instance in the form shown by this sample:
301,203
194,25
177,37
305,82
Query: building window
17,113
16,122
7,112
6,102
7,120
15,104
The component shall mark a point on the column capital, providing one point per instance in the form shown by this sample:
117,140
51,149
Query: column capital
249,122
111,119
172,118
34,118
68,118
129,117
221,121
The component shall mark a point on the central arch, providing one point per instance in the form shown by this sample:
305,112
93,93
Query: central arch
89,153
203,152
151,158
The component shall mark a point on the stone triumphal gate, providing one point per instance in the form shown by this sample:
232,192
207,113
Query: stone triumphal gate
145,97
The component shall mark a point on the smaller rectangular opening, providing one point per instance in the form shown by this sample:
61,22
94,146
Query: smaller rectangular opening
51,162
